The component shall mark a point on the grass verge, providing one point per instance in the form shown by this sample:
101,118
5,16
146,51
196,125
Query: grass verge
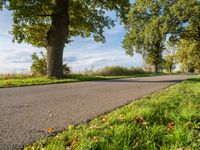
25,80
166,120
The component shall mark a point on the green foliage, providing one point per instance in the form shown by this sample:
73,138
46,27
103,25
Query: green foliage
39,66
183,18
2,4
146,30
32,19
119,71
166,120
189,55
150,22
169,62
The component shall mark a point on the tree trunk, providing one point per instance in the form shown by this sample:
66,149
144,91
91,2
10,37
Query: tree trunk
155,68
171,65
56,38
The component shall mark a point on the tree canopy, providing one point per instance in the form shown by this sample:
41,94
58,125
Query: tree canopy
146,30
188,55
32,19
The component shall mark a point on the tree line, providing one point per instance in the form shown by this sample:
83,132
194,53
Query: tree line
161,30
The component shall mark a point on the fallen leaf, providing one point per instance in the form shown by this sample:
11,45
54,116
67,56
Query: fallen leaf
139,119
170,126
104,120
29,148
121,117
50,130
74,142
95,138
70,127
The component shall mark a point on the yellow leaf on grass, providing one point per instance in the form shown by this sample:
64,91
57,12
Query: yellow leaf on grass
70,127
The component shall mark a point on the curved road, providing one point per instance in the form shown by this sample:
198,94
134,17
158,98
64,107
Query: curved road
27,112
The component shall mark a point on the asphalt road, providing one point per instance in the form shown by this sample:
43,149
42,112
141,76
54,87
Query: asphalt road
27,112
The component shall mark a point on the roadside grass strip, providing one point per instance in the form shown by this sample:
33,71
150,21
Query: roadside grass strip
25,80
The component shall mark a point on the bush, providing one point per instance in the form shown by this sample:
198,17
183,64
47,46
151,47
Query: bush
39,66
118,71
66,69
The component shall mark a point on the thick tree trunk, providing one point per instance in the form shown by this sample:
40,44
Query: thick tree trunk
155,68
170,69
56,39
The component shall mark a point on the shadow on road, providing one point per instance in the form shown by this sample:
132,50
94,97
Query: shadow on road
140,81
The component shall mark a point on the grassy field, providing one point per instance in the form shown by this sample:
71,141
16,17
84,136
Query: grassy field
166,120
14,80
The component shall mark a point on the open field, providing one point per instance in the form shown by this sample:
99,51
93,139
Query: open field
168,119
15,80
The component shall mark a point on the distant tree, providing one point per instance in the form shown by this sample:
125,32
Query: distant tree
146,31
52,23
169,63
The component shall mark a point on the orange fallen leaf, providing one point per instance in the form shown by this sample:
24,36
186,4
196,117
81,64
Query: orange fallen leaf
29,148
170,126
50,130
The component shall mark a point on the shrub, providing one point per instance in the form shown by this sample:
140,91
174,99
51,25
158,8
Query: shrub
66,69
39,66
118,71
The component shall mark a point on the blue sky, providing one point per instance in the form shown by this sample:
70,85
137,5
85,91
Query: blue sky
81,54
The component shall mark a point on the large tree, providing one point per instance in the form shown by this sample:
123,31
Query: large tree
146,31
52,23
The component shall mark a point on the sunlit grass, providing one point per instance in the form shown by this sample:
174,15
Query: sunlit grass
166,120
14,80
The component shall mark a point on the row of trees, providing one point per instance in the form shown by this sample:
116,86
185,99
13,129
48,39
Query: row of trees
150,26
163,30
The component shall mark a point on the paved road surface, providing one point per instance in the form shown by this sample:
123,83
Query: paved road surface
27,112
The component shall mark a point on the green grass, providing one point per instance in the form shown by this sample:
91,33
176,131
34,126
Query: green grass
15,80
166,120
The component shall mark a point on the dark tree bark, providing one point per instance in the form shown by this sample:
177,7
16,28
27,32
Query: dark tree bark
56,39
155,68
171,66
158,50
